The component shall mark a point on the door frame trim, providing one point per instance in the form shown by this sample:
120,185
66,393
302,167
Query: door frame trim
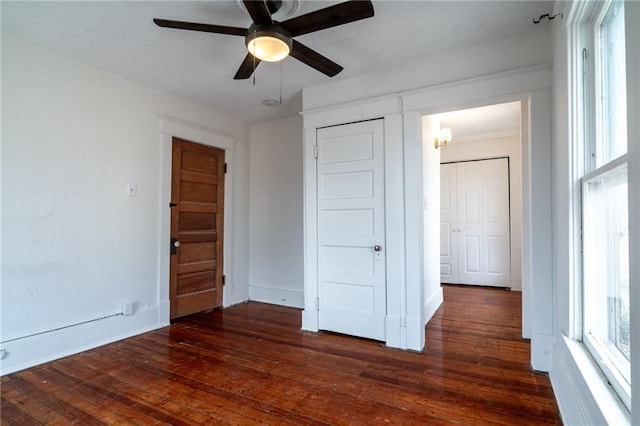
531,86
388,109
170,128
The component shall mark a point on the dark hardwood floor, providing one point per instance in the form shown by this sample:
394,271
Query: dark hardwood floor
251,364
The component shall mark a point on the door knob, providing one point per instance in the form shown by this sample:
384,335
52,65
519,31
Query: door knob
377,247
174,246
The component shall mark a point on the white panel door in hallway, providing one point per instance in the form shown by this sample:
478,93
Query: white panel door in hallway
480,227
448,224
351,228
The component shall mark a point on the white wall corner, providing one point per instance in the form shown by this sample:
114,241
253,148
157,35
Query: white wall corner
542,351
433,302
234,294
413,229
164,312
277,296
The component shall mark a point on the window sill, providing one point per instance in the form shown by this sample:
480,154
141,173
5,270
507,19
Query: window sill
610,406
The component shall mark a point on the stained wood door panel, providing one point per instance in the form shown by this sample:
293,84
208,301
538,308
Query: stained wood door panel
195,282
197,222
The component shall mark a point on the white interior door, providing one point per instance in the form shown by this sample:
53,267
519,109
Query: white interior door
480,227
351,229
448,224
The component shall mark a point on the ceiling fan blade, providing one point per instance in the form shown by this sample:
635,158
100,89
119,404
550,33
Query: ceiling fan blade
259,11
331,16
207,28
314,59
247,67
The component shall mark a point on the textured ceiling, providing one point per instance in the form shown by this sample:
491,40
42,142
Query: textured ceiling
121,37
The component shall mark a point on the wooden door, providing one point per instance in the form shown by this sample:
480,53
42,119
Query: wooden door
448,224
351,230
197,223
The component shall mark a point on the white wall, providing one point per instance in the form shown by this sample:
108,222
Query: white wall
276,270
493,147
431,158
73,137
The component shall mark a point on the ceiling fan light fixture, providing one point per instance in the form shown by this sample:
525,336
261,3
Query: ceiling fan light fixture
270,43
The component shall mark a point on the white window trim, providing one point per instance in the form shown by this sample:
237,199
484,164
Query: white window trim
580,30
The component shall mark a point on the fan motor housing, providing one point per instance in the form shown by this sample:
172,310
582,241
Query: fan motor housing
274,31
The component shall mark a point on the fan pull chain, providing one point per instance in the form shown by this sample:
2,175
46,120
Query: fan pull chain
281,81
254,61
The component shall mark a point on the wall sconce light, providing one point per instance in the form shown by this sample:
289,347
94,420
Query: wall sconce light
443,138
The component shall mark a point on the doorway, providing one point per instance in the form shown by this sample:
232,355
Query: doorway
474,223
489,132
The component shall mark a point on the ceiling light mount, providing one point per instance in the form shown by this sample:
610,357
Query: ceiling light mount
270,43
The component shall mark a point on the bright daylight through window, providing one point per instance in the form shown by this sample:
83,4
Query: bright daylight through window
605,211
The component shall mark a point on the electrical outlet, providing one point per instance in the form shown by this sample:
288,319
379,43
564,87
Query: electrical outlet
127,308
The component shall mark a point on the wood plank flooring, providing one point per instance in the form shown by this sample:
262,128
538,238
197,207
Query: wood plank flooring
251,364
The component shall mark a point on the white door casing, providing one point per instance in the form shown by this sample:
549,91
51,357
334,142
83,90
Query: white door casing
481,226
351,225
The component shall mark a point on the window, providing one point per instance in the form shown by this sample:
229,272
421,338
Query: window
605,201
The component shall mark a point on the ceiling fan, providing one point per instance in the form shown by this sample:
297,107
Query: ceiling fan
270,40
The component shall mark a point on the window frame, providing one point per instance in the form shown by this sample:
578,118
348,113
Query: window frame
587,81
621,385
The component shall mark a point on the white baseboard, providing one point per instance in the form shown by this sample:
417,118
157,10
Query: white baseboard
310,320
432,304
235,294
415,334
516,285
542,351
277,296
41,348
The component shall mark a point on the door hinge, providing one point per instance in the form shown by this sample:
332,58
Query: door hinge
171,205
315,151
225,167
224,278
317,304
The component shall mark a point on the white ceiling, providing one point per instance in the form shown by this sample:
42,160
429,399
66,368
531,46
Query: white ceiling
121,37
489,121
